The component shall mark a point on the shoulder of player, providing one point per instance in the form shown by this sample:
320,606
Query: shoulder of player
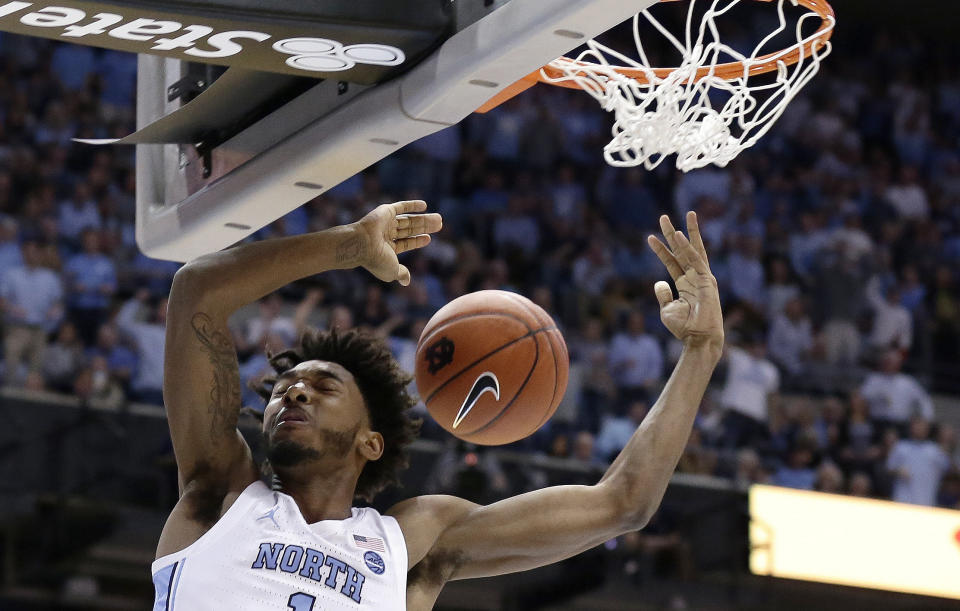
200,508
429,512
423,520
208,495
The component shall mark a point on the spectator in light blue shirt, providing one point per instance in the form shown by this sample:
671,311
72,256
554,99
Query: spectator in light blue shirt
31,297
616,432
121,361
91,279
918,465
746,277
10,255
798,473
78,213
636,359
148,338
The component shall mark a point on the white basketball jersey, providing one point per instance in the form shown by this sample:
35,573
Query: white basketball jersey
263,555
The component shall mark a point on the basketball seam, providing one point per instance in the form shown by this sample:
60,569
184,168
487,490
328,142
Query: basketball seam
478,360
489,423
427,338
556,378
556,367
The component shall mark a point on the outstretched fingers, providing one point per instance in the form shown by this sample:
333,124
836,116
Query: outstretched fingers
666,257
666,227
404,244
679,255
417,205
688,256
418,224
693,228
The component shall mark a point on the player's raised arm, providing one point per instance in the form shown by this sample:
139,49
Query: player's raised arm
548,525
201,378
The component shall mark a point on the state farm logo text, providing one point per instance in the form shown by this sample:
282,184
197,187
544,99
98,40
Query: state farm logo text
196,40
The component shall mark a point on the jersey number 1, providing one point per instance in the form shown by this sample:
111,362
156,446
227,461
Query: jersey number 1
301,602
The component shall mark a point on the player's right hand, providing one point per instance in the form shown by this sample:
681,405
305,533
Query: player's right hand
694,316
391,229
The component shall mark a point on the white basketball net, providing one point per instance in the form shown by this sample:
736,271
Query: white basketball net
674,114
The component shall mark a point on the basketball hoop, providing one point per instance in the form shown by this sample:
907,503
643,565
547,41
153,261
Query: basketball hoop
664,111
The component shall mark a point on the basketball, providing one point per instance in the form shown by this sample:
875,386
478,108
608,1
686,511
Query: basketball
491,367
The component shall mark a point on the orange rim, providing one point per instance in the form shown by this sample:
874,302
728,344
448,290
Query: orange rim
727,71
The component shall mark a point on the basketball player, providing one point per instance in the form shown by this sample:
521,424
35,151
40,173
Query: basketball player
335,428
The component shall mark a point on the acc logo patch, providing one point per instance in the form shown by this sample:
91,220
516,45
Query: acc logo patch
375,562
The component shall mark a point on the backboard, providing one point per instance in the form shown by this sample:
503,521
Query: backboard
221,155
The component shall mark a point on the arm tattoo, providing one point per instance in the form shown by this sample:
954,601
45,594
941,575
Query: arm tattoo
350,250
225,395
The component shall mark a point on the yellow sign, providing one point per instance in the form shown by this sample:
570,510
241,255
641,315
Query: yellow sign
851,541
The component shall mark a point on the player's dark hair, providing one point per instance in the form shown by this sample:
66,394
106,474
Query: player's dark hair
383,386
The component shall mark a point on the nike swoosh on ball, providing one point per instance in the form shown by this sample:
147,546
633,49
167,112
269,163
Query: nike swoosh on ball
486,382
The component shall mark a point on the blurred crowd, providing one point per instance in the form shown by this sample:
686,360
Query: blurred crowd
835,241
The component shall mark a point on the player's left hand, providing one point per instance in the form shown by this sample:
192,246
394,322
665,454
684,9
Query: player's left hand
694,317
391,229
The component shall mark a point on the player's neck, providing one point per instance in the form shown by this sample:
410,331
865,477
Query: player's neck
321,496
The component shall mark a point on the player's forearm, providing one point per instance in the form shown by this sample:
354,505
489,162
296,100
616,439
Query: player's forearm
641,472
232,278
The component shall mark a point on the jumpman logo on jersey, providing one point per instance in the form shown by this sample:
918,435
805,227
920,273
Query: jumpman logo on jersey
272,515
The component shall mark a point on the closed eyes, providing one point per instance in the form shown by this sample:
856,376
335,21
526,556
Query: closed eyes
324,388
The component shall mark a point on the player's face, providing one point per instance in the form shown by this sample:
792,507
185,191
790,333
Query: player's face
318,406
